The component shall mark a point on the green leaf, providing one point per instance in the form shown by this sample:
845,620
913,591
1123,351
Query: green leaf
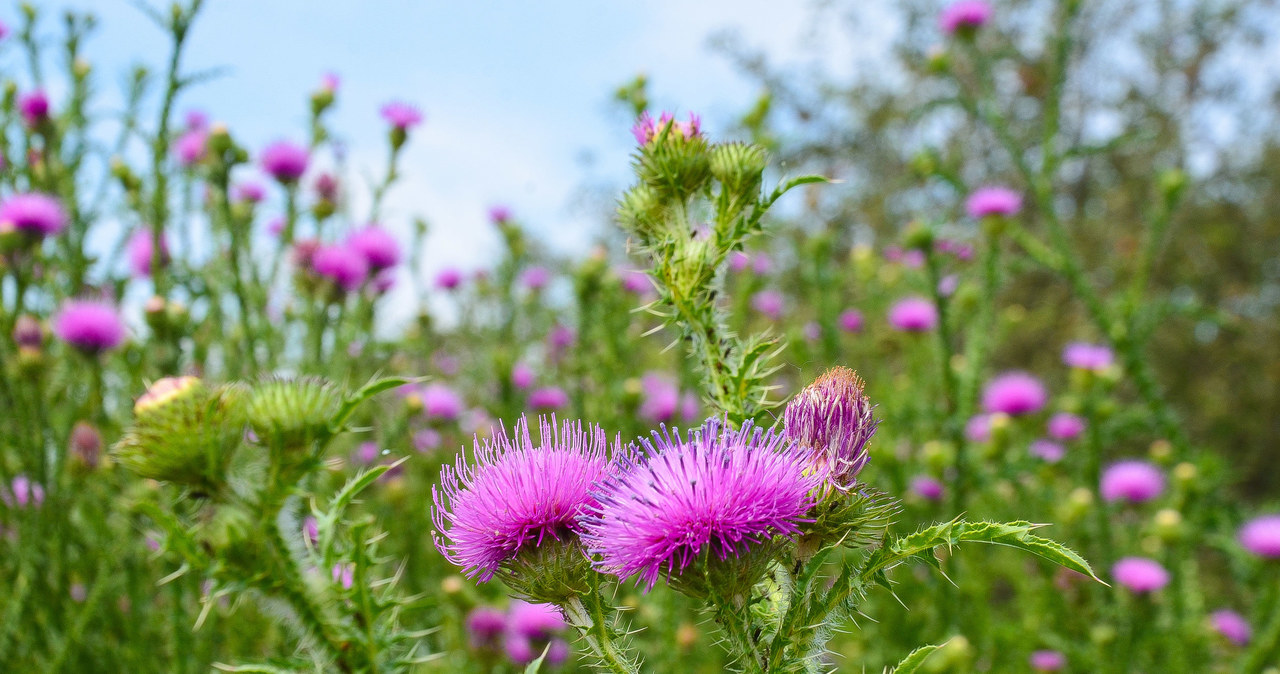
535,666
357,484
374,387
912,662
921,545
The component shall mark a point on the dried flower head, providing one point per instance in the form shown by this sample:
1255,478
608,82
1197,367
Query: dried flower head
831,420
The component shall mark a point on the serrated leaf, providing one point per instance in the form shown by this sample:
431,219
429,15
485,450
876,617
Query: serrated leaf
912,662
535,666
374,387
358,483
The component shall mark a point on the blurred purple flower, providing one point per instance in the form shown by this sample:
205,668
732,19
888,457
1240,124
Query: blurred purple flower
33,213
1085,356
140,253
284,161
1261,536
343,265
535,277
379,249
401,115
661,397
1231,625
964,15
449,278
1132,481
34,108
851,320
926,487
1139,574
441,402
1048,450
190,147
1065,426
770,302
913,314
1014,393
92,327
987,201
1047,661
548,399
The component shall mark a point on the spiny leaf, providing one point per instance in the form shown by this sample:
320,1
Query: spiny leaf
912,662
535,666
374,387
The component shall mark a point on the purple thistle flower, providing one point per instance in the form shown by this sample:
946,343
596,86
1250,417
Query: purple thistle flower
761,264
1066,426
34,108
426,440
535,277
441,402
515,494
831,421
1140,574
739,260
661,398
92,327
285,161
190,147
24,492
978,428
987,201
367,453
1047,661
140,253
27,332
1261,536
344,575
561,337
4,30
248,192
635,282
327,187
913,314
926,487
401,115
1085,356
522,376
196,120
771,303
499,213
484,625
377,246
1231,625
851,320
330,81
345,266
717,490
33,213
812,331
449,278
534,621
1014,393
646,129
1133,481
913,259
548,398
311,530
964,15
1048,450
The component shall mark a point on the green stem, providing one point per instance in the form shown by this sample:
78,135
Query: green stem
593,617
1268,639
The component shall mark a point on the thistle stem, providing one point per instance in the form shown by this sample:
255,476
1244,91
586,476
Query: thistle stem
592,616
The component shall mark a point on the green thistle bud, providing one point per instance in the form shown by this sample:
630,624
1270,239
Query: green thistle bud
642,212
918,237
739,168
398,137
675,162
184,433
293,414
1167,525
552,572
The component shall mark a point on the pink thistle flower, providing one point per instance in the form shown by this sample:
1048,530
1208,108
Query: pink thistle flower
1047,661
1066,426
851,320
485,625
761,264
913,314
1139,574
978,428
23,492
449,278
1231,625
401,115
343,265
964,15
344,575
34,108
661,398
548,398
285,161
926,487
831,421
327,187
947,285
534,621
1014,393
514,494
988,201
499,213
739,260
1132,481
690,407
426,440
34,213
191,147
1261,536
330,81
140,253
1048,450
913,259
770,303
1085,356
522,376
646,129
441,402
92,327
248,192
635,282
376,245
717,490
561,337
535,278
196,120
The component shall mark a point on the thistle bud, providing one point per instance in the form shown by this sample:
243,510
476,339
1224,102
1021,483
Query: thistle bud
673,157
27,332
739,168
293,415
86,445
1167,525
183,432
918,237
832,420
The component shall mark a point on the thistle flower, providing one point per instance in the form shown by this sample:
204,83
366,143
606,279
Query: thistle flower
141,253
1261,536
23,492
1231,625
248,192
441,402
401,115
522,376
485,625
499,214
771,303
34,108
1047,661
739,260
92,327
548,398
978,428
561,337
191,147
535,278
343,265
531,627
33,213
913,314
1065,426
1139,574
635,282
964,16
831,421
1133,481
183,432
646,129
27,332
1085,356
717,492
514,495
1014,393
285,161
449,278
926,487
661,398
850,320
988,201
379,249
1048,450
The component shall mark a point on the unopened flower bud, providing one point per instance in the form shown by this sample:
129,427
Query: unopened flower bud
27,332
1185,474
86,445
739,167
1167,525
1161,451
832,420
292,415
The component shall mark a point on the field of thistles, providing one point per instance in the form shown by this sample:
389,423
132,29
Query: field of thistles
964,363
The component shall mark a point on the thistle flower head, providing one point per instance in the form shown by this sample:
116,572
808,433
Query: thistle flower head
379,249
1231,625
33,213
913,314
401,115
514,495
1139,574
1014,393
769,303
646,129
717,492
191,147
141,252
987,201
548,398
1066,426
1261,536
926,487
441,402
1047,661
831,421
1133,481
92,327
964,15
851,320
1085,356
449,278
34,108
285,161
535,277
343,265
